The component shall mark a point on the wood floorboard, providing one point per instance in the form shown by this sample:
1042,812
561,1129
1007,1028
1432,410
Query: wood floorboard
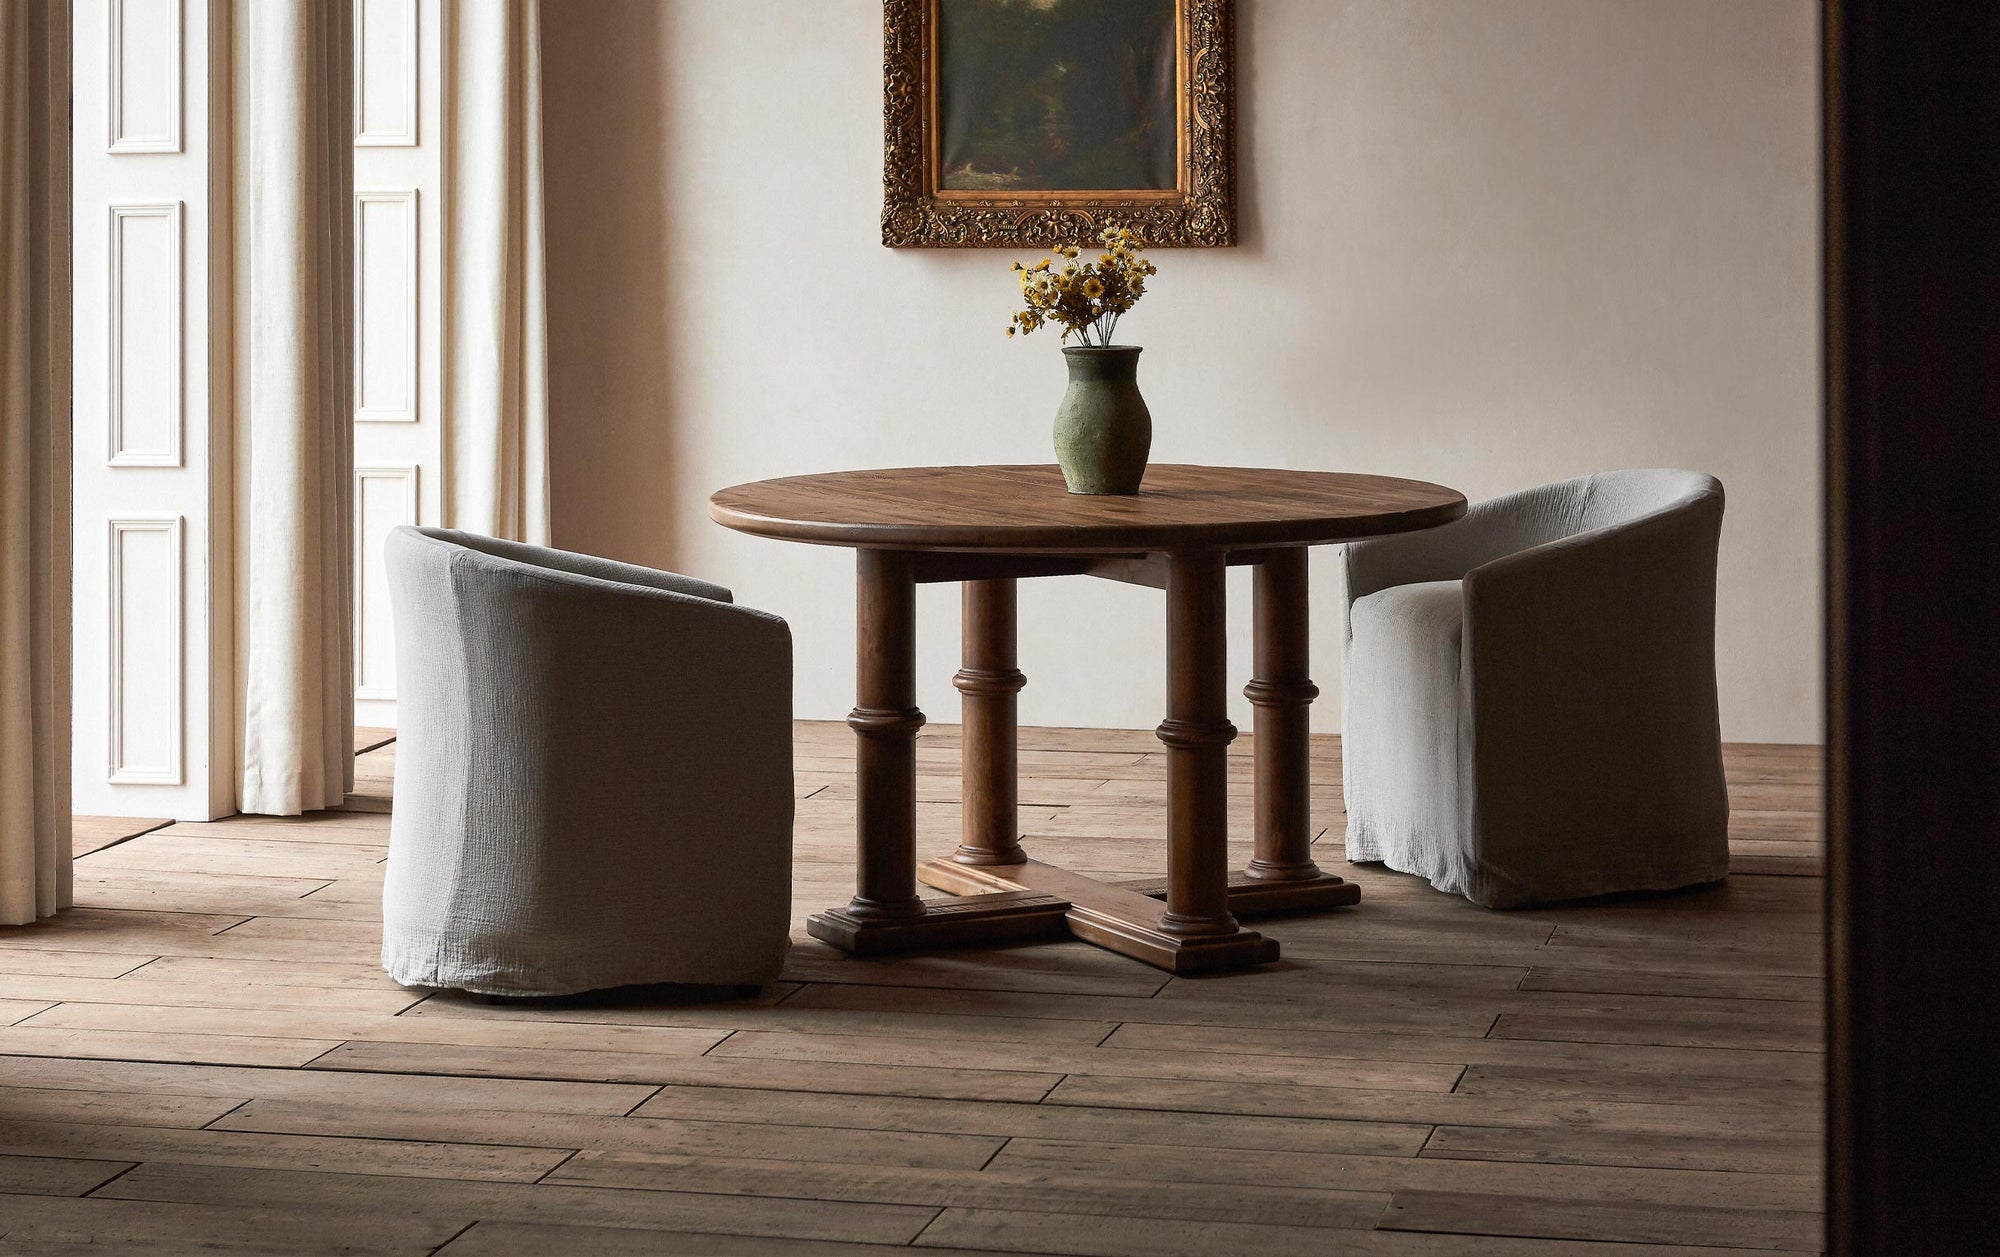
116,1108
461,1202
517,1239
53,962
1633,1185
1793,1154
1716,1120
1049,1121
388,1001
53,1176
985,1188
212,1146
1086,1062
116,1045
304,976
56,1227
1299,1029
1452,1212
706,1138
639,1067
1097,1235
205,1056
810,1021
95,833
239,1084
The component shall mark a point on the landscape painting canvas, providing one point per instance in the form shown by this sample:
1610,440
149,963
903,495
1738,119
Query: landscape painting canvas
1057,95
1040,122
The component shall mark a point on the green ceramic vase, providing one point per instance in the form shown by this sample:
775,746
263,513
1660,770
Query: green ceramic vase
1103,429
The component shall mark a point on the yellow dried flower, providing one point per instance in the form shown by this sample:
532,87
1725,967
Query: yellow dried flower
1085,298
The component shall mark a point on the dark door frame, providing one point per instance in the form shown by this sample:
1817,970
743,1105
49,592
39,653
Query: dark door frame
1912,203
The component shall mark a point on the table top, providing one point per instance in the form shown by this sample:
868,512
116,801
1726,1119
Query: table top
1027,509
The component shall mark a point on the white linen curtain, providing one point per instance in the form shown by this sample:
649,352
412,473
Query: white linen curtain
35,875
495,325
293,198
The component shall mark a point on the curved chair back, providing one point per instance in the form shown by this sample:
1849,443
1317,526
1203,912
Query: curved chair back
1531,712
1612,498
594,778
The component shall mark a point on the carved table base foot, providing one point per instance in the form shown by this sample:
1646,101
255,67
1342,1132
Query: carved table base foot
1012,916
1112,917
1259,897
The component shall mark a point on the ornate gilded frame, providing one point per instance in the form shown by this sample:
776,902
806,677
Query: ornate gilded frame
1200,212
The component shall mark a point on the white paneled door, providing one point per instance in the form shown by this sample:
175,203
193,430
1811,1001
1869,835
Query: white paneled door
147,574
142,77
383,498
146,325
398,286
156,725
153,716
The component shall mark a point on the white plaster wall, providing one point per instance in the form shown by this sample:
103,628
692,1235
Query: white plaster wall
1490,243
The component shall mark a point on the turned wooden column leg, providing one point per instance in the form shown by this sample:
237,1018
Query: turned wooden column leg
1197,734
1282,692
989,681
885,720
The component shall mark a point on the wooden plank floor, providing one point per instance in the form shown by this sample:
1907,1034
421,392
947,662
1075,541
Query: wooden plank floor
204,1056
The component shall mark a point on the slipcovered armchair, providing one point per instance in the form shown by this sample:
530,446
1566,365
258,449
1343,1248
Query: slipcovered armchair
593,774
1528,693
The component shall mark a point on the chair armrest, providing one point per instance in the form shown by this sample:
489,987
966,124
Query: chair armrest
1676,542
1488,530
582,564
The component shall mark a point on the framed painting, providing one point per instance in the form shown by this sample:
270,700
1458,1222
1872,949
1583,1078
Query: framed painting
1031,122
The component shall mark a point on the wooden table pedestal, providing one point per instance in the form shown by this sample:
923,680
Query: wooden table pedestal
1186,922
1004,894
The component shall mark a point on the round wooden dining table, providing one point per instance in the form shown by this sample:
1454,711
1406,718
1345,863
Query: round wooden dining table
988,527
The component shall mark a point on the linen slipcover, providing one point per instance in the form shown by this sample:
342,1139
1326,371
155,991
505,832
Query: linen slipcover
593,774
1528,693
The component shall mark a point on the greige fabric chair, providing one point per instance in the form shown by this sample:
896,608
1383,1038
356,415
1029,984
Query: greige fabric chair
593,774
1528,693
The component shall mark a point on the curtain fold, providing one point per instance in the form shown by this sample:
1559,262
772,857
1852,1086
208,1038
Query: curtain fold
292,176
35,873
495,324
